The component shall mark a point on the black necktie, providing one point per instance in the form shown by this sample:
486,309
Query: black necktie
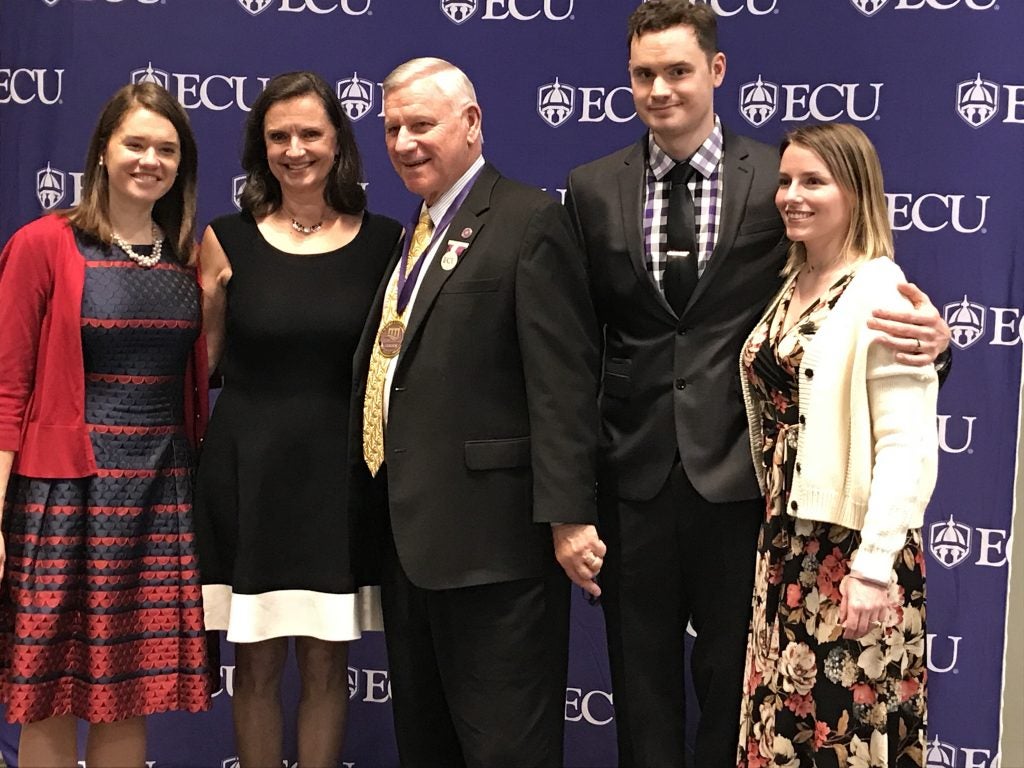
680,277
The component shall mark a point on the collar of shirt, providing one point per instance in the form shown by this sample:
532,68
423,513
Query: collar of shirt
444,202
705,187
705,160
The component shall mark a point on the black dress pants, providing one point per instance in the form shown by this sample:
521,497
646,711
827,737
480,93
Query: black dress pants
478,674
674,559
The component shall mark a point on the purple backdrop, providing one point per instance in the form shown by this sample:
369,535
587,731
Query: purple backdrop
938,85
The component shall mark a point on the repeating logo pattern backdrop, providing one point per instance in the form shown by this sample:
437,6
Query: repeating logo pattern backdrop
937,84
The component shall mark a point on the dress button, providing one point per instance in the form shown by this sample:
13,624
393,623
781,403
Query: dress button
803,419
793,505
809,373
680,383
798,467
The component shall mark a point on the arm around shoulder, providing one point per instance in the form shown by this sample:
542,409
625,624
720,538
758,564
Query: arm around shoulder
214,274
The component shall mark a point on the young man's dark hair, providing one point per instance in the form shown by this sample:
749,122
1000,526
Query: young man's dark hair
659,15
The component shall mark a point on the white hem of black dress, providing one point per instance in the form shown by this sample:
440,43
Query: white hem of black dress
291,613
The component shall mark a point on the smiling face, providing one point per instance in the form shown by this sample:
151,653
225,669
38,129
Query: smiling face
814,208
141,159
432,137
674,83
301,144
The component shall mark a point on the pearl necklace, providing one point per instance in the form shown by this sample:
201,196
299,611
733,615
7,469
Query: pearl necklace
143,261
304,230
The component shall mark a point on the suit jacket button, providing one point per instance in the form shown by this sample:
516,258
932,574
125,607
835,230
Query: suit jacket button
683,331
680,383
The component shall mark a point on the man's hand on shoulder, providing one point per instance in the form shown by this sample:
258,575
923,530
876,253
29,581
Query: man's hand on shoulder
918,335
580,552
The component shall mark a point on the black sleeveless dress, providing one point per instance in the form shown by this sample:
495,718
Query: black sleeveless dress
271,513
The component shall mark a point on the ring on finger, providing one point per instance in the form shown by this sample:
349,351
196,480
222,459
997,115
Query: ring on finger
918,348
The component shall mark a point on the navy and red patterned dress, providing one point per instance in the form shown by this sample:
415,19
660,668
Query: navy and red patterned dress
102,612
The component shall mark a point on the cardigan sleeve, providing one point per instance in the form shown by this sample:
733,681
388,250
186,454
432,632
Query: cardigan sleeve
902,402
26,283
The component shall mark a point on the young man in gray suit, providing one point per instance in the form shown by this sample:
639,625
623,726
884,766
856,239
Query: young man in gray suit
684,247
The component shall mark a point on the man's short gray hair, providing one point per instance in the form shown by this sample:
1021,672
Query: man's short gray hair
450,79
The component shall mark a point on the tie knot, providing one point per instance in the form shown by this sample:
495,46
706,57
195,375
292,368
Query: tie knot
681,173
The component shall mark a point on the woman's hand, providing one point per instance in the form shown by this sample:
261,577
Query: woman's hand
864,606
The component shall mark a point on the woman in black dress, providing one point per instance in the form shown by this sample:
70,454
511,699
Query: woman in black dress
287,286
101,614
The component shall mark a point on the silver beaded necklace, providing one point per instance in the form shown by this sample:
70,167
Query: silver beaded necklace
304,230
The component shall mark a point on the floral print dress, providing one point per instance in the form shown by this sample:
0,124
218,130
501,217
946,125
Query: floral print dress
811,697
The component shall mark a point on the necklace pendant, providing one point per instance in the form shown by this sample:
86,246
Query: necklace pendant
304,230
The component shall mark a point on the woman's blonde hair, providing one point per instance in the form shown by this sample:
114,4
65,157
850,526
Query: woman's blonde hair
852,161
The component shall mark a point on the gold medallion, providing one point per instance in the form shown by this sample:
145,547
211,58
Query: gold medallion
390,338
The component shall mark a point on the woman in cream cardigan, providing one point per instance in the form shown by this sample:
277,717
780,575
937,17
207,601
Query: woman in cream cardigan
844,443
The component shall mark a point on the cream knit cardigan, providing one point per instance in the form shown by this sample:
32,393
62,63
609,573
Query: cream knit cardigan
867,451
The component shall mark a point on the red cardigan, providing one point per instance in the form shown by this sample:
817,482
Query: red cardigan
42,373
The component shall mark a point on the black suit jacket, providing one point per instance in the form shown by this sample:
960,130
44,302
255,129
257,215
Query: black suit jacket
672,383
492,424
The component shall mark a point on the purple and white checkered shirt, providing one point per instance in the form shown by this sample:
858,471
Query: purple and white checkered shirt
705,189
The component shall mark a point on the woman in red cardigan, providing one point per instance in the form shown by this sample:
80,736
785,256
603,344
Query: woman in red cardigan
101,616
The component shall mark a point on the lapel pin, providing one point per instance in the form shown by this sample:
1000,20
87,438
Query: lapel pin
451,255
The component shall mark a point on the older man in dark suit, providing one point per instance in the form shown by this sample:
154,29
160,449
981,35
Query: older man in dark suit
684,247
479,423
